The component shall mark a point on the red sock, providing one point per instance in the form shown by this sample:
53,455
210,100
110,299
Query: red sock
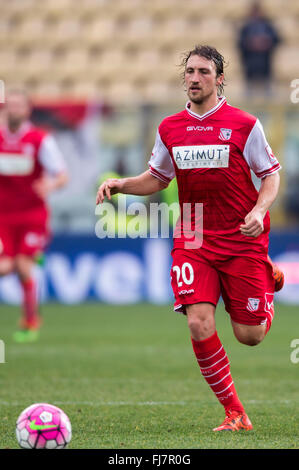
30,305
214,366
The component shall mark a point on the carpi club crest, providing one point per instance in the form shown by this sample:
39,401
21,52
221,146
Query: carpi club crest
253,304
225,134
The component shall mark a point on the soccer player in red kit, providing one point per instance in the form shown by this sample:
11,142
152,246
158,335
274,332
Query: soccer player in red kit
211,148
31,166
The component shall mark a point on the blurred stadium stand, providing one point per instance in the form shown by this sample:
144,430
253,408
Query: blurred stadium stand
127,51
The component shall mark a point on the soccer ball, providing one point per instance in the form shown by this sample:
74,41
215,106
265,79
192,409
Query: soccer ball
43,426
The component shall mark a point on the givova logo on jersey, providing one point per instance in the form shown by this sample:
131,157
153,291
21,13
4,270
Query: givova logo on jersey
201,156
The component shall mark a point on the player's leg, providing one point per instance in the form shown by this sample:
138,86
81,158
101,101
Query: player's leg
6,265
10,263
197,289
247,287
32,240
24,268
214,365
6,250
251,335
248,292
201,320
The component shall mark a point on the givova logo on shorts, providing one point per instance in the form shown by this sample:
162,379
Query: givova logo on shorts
201,156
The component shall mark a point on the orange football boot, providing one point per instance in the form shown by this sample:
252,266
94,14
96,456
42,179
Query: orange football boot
278,276
235,421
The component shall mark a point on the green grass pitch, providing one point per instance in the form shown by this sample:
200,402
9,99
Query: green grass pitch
127,378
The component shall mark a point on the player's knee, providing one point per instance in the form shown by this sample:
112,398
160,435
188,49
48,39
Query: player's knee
249,335
23,267
250,338
6,266
194,324
250,341
201,323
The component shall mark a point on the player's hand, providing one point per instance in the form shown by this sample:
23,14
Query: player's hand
254,224
43,186
108,188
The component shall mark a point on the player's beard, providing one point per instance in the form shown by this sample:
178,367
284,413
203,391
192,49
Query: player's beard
14,123
201,99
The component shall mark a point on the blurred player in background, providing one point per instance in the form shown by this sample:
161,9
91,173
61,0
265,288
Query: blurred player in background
31,167
210,148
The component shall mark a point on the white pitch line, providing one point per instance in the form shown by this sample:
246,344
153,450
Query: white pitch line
146,403
106,403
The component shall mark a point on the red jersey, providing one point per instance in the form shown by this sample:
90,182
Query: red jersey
211,156
24,156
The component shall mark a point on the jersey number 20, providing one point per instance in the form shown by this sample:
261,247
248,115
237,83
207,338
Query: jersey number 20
186,272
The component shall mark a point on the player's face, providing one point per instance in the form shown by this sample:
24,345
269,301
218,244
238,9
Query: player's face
17,109
201,79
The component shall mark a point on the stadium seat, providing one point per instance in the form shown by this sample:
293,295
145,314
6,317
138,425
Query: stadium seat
86,90
100,32
28,31
286,64
289,29
49,89
116,92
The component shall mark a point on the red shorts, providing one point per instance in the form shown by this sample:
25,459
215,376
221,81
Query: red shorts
246,284
23,238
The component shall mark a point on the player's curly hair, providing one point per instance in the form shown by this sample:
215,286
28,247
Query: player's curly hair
209,53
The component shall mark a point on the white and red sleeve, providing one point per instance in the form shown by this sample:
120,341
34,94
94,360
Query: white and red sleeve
50,156
258,153
160,164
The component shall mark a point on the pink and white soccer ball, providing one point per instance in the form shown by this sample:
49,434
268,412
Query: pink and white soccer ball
43,426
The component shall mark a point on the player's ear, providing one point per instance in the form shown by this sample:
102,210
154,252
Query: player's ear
220,79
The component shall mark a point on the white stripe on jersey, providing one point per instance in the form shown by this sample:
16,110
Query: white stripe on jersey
258,154
220,103
50,156
161,160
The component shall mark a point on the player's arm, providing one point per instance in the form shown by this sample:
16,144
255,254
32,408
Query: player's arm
59,180
55,175
141,185
254,224
156,178
49,183
259,156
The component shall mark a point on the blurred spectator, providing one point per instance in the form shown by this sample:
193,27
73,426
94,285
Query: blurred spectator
257,41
